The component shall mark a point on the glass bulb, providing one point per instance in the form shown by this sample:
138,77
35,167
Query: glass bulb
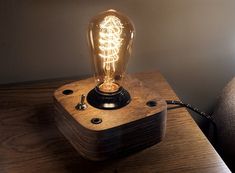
110,36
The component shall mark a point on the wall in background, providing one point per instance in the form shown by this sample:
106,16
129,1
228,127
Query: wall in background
192,42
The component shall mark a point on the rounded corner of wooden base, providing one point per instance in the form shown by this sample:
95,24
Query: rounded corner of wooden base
138,125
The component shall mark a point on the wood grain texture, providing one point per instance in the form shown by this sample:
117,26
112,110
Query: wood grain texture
30,141
131,128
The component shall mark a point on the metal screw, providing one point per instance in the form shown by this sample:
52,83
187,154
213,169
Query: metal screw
67,92
96,120
82,105
151,103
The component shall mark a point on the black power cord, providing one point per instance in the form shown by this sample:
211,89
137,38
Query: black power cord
201,113
180,103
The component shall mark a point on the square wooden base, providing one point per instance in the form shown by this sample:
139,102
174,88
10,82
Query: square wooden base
101,134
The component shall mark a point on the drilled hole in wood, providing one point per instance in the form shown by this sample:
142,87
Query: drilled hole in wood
151,103
96,120
67,92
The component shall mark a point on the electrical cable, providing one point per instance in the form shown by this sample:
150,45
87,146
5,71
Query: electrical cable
180,103
201,113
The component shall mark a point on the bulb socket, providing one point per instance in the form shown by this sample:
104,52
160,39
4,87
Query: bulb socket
102,100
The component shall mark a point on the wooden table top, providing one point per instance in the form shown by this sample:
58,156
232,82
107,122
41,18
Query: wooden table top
30,141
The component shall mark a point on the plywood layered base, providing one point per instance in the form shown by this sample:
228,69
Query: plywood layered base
123,131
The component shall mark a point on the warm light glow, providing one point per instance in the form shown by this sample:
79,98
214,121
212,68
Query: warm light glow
110,39
110,35
110,43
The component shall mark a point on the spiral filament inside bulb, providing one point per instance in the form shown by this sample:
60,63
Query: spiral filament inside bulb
110,36
110,42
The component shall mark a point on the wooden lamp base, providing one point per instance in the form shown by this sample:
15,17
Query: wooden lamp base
101,134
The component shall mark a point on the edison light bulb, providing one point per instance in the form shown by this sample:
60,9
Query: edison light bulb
110,36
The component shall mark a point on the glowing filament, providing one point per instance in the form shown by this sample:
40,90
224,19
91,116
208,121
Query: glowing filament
110,42
110,39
